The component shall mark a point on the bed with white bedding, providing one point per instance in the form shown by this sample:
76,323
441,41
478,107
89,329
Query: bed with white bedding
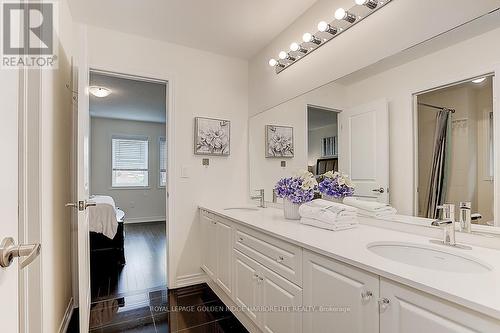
106,229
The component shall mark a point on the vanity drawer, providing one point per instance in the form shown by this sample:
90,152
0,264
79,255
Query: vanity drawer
277,255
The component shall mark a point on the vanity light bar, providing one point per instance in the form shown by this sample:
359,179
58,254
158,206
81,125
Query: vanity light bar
344,20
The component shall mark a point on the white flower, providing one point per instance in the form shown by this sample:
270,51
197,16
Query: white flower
309,183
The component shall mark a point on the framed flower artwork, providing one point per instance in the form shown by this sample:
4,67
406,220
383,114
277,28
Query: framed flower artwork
212,136
279,141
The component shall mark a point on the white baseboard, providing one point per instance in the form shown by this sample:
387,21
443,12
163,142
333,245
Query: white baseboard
63,328
144,219
190,280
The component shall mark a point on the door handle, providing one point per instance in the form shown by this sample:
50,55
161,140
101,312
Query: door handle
9,250
81,205
379,190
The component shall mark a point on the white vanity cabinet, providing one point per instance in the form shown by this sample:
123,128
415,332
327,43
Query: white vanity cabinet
284,288
343,298
407,310
216,246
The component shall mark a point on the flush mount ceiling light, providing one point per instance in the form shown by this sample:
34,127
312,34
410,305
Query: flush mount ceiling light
344,20
99,91
480,80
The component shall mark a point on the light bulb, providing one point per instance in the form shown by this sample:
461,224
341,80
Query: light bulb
99,91
283,55
325,27
294,47
372,4
272,62
322,26
307,37
340,14
480,80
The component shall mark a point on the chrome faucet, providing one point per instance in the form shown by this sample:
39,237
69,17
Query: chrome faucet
262,203
447,223
465,217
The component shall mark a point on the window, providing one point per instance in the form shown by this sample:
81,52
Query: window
329,146
130,162
163,162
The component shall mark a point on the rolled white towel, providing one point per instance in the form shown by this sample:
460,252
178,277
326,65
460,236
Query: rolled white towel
365,205
327,211
329,226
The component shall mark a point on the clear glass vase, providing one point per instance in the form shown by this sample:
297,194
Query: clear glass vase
291,210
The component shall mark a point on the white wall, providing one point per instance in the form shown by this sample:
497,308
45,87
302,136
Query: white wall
55,175
139,205
396,27
203,84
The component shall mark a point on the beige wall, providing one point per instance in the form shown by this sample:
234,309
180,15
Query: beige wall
202,84
139,205
55,175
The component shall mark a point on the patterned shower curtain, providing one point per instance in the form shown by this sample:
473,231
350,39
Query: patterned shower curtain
440,163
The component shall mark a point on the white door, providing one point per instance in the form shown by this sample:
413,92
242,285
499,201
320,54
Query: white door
410,311
224,244
364,149
9,306
82,142
246,279
348,297
285,298
209,255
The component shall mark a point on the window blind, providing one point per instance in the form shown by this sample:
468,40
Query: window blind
129,162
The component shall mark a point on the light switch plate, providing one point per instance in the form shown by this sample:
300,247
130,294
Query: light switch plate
283,164
205,162
185,171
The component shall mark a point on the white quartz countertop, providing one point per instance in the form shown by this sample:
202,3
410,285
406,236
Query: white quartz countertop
477,291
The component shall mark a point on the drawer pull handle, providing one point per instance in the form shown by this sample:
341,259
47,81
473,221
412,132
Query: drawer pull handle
383,304
366,295
280,259
240,239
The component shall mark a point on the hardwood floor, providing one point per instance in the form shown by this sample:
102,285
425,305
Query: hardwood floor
145,268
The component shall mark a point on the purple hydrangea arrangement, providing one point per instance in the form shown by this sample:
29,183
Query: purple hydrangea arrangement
336,185
297,189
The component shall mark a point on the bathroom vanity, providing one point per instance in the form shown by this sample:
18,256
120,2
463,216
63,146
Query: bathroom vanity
286,277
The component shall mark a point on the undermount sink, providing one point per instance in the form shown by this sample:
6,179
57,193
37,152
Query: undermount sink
428,257
242,208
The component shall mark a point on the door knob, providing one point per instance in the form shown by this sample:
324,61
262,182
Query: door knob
379,190
9,250
81,205
383,304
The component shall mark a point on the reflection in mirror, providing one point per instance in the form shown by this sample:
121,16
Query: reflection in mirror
455,149
322,140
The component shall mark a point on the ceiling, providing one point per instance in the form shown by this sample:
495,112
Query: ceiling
230,27
318,117
129,99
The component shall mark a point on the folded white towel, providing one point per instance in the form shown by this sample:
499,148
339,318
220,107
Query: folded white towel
380,214
327,211
364,204
329,226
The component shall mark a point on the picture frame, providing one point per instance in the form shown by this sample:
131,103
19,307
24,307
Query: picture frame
212,136
279,141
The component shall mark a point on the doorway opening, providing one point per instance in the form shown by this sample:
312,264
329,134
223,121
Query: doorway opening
128,182
322,140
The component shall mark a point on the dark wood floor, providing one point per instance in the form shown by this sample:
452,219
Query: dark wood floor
145,268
